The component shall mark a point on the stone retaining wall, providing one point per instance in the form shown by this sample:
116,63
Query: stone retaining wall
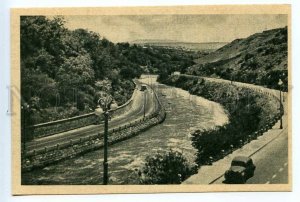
63,125
49,155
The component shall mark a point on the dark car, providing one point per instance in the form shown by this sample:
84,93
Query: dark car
241,169
143,87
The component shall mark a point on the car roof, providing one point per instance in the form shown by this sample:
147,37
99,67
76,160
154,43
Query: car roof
241,158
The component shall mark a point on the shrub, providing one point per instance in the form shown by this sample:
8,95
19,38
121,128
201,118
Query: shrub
166,168
249,111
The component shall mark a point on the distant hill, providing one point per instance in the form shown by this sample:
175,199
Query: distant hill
260,59
208,47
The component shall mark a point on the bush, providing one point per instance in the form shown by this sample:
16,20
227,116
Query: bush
166,168
249,112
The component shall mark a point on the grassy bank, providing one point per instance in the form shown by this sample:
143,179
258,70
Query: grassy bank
250,114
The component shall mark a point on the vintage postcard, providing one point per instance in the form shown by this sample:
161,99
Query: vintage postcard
151,99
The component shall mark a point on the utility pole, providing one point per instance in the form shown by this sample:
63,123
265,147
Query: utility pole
280,103
144,104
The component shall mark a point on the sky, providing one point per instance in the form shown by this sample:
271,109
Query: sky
182,28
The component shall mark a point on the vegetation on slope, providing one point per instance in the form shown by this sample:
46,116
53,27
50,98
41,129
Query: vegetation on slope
250,114
259,59
63,70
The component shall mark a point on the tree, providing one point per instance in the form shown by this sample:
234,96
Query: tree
38,32
166,168
37,84
76,72
128,73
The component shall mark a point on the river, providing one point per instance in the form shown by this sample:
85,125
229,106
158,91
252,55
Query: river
185,114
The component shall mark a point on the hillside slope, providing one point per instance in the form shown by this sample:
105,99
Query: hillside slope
260,59
63,71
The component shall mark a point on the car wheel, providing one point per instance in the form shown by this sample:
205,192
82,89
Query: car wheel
243,179
252,173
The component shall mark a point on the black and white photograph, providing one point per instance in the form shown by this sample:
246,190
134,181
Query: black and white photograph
146,97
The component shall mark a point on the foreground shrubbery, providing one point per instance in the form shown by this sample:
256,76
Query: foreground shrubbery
166,168
250,114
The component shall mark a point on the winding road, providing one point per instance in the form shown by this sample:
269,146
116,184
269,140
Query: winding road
271,163
135,113
270,155
271,160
